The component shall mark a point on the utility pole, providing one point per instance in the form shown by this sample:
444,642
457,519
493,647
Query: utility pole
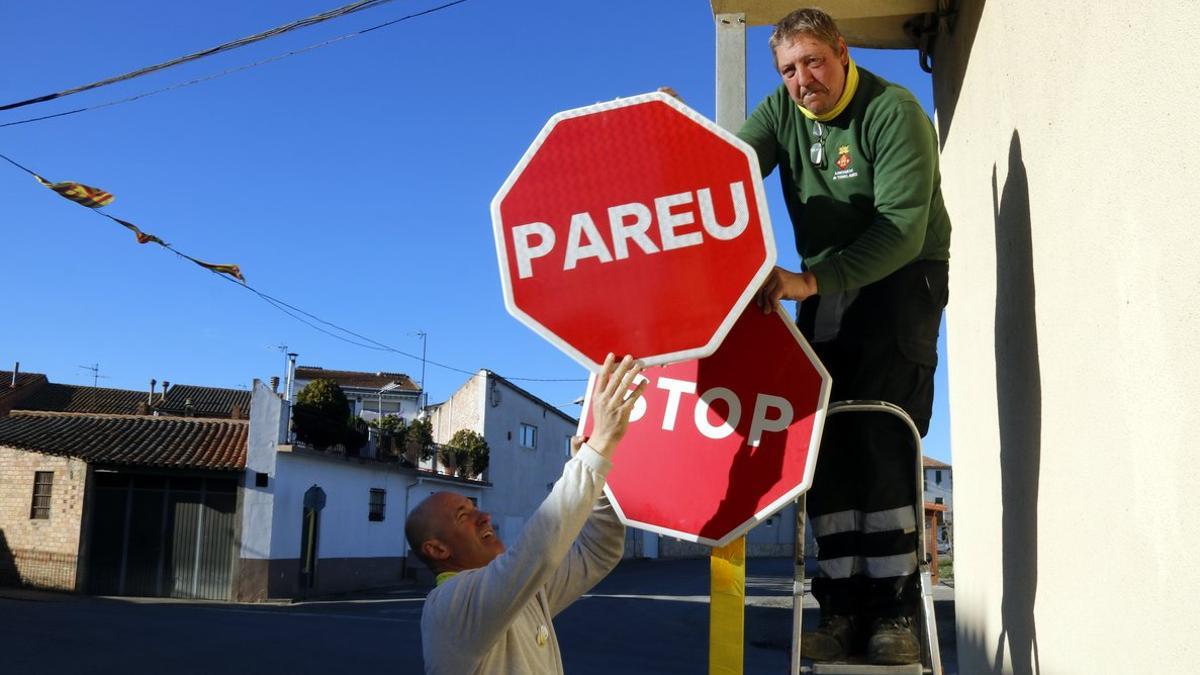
283,350
424,396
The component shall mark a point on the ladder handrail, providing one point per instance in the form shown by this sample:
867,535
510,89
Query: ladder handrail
931,642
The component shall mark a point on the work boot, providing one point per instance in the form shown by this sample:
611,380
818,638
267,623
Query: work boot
832,639
892,642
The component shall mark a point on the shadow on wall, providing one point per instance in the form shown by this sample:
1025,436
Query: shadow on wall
1019,412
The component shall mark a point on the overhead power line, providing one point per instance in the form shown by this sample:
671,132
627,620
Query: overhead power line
235,70
241,42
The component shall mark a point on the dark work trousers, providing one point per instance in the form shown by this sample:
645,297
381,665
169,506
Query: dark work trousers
861,504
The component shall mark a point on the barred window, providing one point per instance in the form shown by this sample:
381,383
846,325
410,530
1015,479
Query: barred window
43,484
376,505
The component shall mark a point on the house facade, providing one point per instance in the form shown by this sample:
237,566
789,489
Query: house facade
528,440
370,394
108,502
317,522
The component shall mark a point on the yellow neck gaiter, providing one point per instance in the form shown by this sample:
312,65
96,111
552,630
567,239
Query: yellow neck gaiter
847,94
444,576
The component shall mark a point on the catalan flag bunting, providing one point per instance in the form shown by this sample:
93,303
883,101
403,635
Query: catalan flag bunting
91,197
94,198
142,237
232,270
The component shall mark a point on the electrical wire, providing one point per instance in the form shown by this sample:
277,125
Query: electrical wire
238,69
233,44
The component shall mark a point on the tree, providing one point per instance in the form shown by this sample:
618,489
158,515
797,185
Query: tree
392,433
418,440
470,453
321,415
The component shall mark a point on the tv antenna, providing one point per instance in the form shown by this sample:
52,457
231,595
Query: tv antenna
95,368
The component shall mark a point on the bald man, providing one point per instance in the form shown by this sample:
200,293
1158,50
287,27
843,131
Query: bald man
492,607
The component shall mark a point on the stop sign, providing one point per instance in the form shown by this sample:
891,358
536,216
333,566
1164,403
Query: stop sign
635,226
718,444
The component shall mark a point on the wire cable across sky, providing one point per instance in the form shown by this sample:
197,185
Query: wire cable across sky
241,42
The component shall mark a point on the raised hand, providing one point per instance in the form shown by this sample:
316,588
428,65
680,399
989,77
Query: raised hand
612,402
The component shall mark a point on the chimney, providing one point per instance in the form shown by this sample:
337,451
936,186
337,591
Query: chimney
236,413
16,369
188,409
164,391
291,376
150,398
275,384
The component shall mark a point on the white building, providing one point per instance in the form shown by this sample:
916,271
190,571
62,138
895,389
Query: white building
369,393
315,522
528,441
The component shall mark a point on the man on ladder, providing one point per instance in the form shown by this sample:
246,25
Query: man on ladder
858,162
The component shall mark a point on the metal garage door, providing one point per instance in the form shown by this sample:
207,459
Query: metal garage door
167,536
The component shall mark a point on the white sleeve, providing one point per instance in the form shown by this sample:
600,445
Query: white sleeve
478,605
595,553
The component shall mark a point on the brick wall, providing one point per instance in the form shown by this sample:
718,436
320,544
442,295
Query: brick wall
40,552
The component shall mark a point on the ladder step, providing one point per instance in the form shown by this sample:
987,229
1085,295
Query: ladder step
865,669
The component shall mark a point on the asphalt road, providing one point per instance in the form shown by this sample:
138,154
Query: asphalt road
647,617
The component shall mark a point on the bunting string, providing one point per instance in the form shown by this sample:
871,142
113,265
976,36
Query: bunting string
94,198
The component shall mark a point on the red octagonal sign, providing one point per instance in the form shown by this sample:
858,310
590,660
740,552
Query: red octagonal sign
636,227
718,444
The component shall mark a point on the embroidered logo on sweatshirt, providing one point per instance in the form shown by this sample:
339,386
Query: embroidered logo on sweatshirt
843,164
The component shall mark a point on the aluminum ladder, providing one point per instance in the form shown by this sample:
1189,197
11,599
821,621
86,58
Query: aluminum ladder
931,661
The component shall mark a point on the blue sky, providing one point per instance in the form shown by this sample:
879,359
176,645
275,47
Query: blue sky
352,181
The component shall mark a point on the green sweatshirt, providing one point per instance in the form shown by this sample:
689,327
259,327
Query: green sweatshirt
877,204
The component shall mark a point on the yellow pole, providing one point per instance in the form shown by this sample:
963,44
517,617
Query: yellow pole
727,604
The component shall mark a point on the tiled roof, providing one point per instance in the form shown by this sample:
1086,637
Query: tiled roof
166,442
931,463
352,378
72,398
27,383
205,401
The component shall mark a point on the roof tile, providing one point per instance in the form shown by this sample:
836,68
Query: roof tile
166,442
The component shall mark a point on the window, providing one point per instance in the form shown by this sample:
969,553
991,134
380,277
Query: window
567,447
376,505
43,483
528,436
937,477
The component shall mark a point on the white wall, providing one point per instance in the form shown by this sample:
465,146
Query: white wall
346,532
271,516
1071,171
268,421
521,476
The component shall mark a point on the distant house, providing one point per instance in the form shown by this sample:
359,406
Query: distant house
939,490
189,400
68,398
118,503
195,494
370,394
316,521
15,386
528,440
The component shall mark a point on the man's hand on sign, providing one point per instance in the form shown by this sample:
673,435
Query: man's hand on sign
612,402
785,285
